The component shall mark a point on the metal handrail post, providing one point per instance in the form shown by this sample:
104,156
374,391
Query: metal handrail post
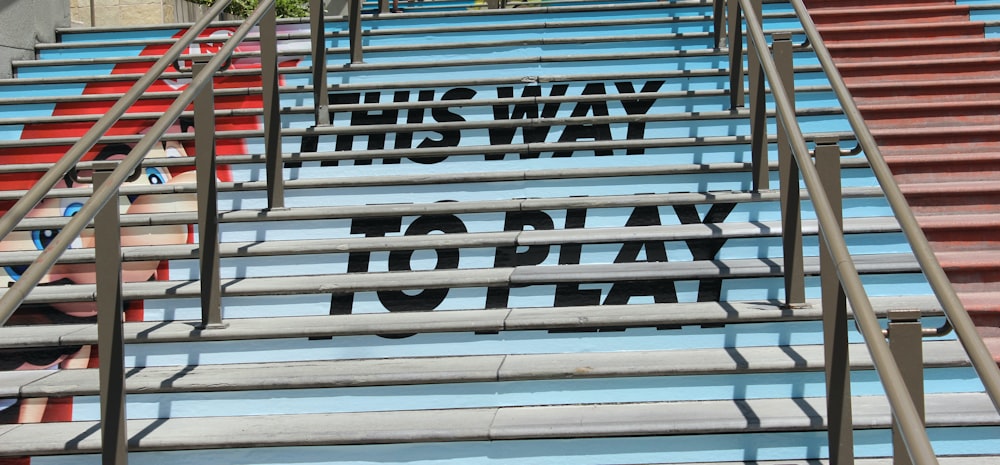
110,332
354,24
321,95
758,114
272,109
208,208
383,6
904,413
835,319
788,172
718,21
906,342
734,34
963,325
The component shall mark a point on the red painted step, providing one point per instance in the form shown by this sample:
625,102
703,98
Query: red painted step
962,233
823,5
966,68
911,168
954,198
938,90
927,82
937,48
899,32
928,112
862,16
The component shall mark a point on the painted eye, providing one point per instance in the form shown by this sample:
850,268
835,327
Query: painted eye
155,176
72,209
43,237
15,271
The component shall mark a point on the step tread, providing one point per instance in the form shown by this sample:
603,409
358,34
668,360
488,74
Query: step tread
457,369
490,320
464,278
950,188
479,239
481,424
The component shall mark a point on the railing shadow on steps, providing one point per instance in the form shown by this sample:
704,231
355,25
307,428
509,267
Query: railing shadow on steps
839,278
839,269
108,178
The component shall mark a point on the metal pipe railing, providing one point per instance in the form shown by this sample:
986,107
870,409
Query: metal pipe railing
962,324
905,413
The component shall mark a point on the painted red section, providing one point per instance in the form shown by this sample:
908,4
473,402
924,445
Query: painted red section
927,82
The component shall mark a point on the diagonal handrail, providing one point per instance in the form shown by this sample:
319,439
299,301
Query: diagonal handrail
16,294
904,411
957,316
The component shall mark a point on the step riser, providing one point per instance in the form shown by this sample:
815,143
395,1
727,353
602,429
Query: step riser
877,35
507,394
938,49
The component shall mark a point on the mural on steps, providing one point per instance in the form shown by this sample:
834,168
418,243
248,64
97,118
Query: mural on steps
486,125
177,143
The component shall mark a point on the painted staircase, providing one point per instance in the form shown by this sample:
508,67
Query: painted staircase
924,75
527,237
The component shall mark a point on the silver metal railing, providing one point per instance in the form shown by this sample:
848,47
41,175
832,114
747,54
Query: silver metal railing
908,417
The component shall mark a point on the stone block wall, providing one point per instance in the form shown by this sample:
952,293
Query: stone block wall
110,13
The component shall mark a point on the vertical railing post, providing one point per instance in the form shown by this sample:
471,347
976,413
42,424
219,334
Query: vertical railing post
791,203
110,334
208,208
321,95
354,24
758,112
272,109
734,35
835,319
383,6
718,21
906,343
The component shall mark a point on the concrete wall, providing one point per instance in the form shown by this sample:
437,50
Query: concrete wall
23,23
109,13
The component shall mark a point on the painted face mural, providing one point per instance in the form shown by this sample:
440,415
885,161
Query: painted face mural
178,144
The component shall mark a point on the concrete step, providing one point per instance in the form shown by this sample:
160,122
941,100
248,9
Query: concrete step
937,89
896,32
465,381
889,14
921,70
483,424
924,114
950,198
818,5
913,49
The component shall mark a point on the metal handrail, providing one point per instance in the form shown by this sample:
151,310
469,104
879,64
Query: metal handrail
16,294
906,415
959,318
